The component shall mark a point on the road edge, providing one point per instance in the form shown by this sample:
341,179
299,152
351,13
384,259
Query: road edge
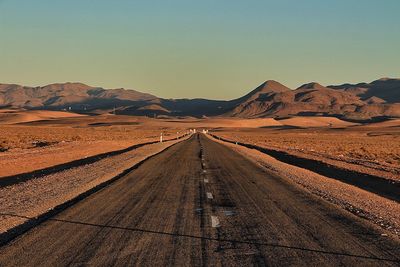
36,174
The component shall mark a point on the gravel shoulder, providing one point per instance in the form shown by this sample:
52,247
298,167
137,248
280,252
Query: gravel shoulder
374,151
381,211
28,160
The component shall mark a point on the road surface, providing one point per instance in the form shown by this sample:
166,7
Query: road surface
201,204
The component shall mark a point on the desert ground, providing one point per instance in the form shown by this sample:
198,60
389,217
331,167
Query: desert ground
102,189
373,148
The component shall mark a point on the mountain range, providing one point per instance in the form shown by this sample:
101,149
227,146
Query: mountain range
380,98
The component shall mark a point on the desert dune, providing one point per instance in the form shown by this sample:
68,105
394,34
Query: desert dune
22,116
306,122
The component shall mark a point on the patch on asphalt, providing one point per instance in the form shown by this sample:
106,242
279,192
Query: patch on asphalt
215,221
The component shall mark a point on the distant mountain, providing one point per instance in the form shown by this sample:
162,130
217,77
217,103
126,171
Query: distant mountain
384,90
311,98
78,96
361,101
270,99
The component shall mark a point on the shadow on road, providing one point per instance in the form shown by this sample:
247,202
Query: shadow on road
249,242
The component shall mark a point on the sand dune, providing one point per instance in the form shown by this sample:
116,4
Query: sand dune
54,118
245,123
15,116
49,118
306,122
218,123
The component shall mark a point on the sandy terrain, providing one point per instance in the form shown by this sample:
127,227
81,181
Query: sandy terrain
26,148
9,116
14,137
113,120
387,123
303,122
24,161
228,122
308,122
373,150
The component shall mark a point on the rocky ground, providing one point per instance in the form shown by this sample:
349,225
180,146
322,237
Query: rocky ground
29,148
371,150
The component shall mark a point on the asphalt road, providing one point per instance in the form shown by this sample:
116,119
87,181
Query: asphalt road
201,204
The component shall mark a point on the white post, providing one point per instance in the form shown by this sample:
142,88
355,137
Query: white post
161,138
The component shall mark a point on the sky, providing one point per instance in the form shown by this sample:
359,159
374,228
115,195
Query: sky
219,49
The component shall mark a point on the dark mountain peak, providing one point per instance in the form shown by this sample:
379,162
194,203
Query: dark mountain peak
349,86
312,85
386,89
387,81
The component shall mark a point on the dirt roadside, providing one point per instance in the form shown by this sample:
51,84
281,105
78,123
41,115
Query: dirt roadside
362,150
37,173
28,149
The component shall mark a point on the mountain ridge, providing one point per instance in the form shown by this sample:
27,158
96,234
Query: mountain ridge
270,99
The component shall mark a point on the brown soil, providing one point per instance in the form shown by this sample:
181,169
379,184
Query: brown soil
9,116
371,150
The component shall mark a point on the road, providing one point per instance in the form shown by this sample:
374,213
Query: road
201,204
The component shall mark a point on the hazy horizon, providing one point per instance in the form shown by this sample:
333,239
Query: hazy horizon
208,49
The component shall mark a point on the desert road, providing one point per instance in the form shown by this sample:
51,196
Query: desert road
199,203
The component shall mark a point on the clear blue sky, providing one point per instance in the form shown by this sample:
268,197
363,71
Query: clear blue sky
198,48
